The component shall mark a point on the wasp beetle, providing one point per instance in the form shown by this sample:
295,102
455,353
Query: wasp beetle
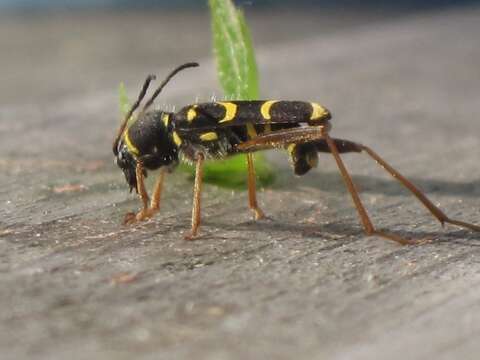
157,139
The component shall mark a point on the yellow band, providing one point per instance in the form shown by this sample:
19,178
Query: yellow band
132,148
230,111
209,136
265,109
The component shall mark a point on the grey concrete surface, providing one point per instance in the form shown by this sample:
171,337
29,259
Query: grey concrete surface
306,284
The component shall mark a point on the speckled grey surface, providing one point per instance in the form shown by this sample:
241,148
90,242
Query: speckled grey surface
306,284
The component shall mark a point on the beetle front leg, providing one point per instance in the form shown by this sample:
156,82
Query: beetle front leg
131,217
147,212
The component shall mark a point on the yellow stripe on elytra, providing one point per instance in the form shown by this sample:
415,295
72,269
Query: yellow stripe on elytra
176,139
166,119
252,133
318,111
191,113
265,109
132,148
230,111
209,136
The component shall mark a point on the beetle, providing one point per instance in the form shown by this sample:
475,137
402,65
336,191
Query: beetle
157,139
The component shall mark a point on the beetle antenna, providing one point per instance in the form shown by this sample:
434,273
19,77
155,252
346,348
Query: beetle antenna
143,91
164,82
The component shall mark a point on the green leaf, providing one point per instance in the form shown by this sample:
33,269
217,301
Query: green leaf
236,65
232,172
238,75
123,99
253,91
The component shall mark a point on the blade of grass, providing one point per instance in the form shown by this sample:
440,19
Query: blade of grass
232,46
123,99
252,92
124,103
238,75
231,173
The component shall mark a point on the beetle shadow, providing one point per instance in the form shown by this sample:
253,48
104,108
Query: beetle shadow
333,182
344,232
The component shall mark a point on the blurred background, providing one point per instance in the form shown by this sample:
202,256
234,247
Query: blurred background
44,4
49,47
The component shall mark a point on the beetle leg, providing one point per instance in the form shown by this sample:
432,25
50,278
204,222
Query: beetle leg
157,191
283,137
434,210
146,212
362,212
197,192
319,135
142,193
252,193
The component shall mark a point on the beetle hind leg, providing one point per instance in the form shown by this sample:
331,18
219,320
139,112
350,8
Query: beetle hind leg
324,143
362,212
434,210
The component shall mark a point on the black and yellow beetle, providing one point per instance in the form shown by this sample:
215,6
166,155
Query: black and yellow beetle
156,140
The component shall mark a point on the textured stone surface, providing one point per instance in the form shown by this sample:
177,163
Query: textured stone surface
306,284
